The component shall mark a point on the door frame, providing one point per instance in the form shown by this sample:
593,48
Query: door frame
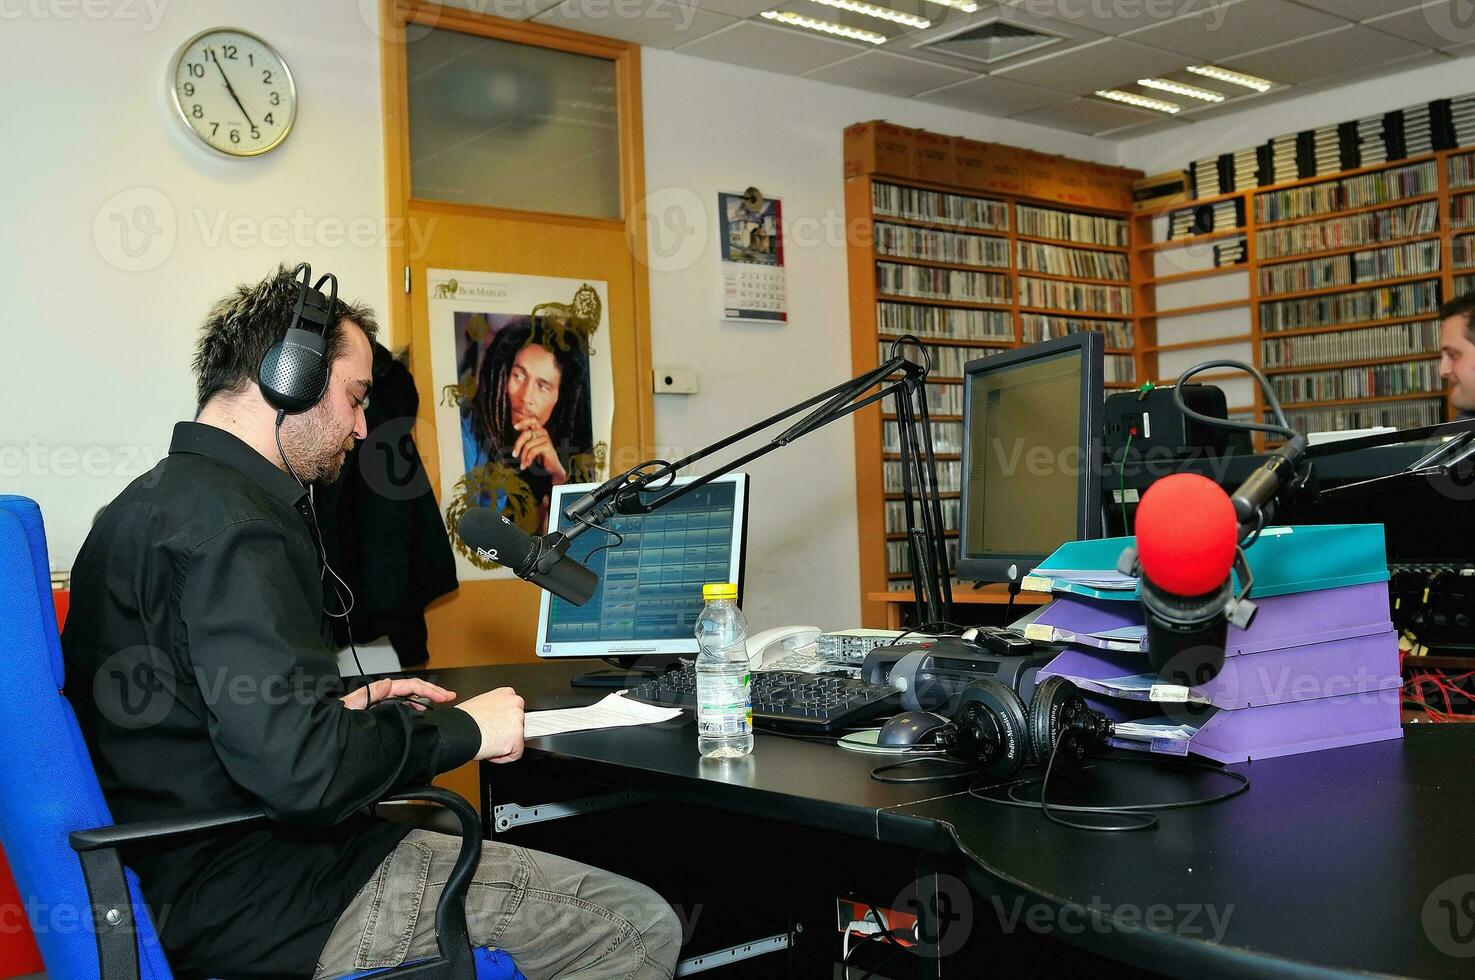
395,17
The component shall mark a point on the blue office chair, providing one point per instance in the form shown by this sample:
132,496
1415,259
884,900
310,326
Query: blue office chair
86,909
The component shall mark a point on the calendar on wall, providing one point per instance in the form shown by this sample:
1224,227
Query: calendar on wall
753,284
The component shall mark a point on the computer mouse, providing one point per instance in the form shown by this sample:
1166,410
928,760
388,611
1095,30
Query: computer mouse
912,728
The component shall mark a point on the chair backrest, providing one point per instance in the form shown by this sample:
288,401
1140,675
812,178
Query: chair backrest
48,787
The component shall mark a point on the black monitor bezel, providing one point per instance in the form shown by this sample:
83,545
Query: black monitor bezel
1092,348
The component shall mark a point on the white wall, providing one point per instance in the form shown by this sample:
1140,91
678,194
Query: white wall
1175,148
713,127
97,344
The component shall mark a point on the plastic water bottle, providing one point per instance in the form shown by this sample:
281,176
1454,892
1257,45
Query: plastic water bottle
724,681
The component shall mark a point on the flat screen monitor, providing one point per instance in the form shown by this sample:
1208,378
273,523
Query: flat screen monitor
650,584
1032,424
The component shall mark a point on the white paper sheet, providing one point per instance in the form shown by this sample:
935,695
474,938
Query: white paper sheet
615,711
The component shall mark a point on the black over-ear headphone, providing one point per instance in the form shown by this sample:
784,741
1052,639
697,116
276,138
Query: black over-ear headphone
294,373
993,731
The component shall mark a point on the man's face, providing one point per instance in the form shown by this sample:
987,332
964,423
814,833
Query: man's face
1457,363
532,386
319,439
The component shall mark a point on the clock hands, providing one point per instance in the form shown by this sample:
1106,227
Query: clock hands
230,88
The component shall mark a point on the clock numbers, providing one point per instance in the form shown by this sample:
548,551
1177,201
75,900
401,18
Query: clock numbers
234,92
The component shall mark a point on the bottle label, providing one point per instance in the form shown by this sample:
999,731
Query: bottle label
724,705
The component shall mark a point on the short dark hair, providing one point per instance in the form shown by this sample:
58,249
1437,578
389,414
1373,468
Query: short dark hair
241,328
1460,306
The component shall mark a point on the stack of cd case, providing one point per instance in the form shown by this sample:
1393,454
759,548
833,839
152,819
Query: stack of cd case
1418,131
1462,115
1371,147
1327,150
1283,158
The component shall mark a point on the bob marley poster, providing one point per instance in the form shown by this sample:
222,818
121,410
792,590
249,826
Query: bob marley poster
525,394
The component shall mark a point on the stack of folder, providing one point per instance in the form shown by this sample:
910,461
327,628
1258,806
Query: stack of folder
1205,174
1317,669
1418,130
1283,158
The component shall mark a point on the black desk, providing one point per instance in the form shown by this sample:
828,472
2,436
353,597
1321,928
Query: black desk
1331,862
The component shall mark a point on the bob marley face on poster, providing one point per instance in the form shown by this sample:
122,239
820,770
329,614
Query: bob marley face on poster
522,405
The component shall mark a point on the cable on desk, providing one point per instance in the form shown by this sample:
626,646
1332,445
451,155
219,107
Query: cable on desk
1142,816
926,628
966,767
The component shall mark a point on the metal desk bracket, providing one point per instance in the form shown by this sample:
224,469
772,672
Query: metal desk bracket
505,816
732,954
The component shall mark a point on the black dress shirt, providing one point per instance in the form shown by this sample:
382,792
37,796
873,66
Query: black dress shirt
197,664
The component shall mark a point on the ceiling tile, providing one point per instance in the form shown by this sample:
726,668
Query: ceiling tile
1366,72
1360,9
662,24
1112,18
994,96
1102,64
1142,129
878,71
1087,115
1333,53
1433,24
771,48
1231,29
741,9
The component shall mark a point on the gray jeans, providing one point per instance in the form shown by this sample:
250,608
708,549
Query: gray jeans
554,917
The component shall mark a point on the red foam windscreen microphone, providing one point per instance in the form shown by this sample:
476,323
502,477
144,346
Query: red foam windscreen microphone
1186,539
1186,533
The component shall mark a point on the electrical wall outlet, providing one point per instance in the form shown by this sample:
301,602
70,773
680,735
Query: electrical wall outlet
675,381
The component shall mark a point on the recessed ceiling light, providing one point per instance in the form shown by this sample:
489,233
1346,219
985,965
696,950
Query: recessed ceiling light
824,26
966,6
1140,101
1178,88
1233,77
883,13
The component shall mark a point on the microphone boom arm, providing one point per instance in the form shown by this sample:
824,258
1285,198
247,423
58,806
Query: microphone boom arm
931,578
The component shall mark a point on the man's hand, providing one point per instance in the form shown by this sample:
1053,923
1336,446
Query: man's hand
499,715
401,687
533,445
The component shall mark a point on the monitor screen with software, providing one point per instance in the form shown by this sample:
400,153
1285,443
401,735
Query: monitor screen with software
650,585
1031,445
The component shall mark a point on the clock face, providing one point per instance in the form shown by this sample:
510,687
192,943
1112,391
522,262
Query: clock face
234,92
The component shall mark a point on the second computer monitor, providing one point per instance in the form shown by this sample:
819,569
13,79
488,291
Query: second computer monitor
650,584
1031,455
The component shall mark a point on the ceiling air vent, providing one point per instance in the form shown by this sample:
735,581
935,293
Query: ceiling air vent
990,42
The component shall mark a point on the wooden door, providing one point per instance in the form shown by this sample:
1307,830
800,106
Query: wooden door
495,621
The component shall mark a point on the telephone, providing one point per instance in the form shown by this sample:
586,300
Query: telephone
770,645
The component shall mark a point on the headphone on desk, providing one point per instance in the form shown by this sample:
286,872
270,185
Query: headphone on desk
994,732
294,371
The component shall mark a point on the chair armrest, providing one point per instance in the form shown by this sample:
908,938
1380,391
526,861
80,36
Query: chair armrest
116,835
116,939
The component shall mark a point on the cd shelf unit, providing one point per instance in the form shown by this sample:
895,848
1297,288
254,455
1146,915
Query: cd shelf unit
974,248
1331,285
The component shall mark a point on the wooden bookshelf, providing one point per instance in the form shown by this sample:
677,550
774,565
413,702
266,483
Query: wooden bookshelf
877,154
1257,201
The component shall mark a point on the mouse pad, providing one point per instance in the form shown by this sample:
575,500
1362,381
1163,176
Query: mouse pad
865,741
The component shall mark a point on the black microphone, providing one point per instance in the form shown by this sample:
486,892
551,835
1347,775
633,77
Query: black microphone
542,561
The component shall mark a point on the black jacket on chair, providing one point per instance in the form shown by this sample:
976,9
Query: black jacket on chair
382,527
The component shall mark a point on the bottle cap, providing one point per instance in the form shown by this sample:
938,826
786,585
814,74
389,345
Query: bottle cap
718,590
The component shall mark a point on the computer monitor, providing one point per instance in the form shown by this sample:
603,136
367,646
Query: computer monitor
1032,424
650,584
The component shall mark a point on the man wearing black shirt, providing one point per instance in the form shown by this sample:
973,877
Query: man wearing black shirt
198,666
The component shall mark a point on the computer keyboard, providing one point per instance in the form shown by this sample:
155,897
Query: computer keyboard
787,699
807,663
